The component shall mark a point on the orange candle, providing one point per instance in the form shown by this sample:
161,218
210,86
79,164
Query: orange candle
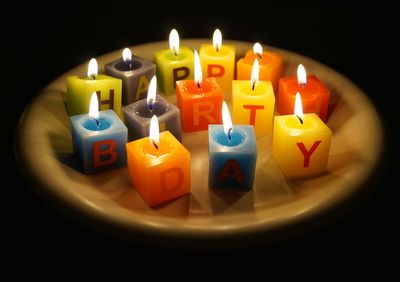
159,166
315,96
271,65
199,100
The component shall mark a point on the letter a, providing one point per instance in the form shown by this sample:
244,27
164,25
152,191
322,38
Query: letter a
232,170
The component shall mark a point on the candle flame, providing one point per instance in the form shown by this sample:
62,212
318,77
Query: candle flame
217,39
151,93
226,119
298,108
301,75
154,135
198,73
174,42
93,68
255,74
94,106
257,49
127,55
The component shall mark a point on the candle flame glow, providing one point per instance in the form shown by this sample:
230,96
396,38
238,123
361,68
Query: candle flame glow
154,135
298,108
94,106
226,119
151,93
217,39
255,74
198,73
174,42
127,55
257,49
93,68
301,75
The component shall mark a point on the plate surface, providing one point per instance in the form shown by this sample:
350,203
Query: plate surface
44,151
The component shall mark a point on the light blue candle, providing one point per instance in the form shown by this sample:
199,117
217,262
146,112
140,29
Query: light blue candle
232,155
99,142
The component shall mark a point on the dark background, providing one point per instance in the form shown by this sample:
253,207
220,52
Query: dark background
41,42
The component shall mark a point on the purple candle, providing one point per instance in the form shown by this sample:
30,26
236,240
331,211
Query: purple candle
137,115
135,73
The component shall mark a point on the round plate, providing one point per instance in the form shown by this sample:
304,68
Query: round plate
44,150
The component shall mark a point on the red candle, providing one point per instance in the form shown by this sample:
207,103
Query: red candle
199,100
271,65
314,94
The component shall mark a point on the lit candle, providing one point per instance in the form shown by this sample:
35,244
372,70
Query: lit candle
271,65
233,154
135,73
254,102
159,166
199,100
107,88
137,115
218,61
99,139
315,96
301,142
173,64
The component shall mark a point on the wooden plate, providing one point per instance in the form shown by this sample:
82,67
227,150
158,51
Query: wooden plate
275,208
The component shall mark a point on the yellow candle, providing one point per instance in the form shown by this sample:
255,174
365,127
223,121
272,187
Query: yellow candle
218,61
301,143
253,102
173,64
107,88
159,166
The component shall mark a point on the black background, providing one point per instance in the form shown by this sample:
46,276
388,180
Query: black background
41,42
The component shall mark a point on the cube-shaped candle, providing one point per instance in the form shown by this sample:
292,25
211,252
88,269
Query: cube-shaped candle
173,64
315,96
271,65
159,170
254,103
135,73
218,61
232,156
137,115
199,100
107,88
301,144
99,142
137,118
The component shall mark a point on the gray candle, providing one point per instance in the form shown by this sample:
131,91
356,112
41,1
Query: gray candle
135,73
137,115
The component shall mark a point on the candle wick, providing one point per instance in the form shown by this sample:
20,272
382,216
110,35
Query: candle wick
198,84
130,65
259,56
229,134
155,145
254,84
300,119
97,122
302,84
93,77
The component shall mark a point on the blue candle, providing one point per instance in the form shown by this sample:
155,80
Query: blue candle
232,154
99,139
